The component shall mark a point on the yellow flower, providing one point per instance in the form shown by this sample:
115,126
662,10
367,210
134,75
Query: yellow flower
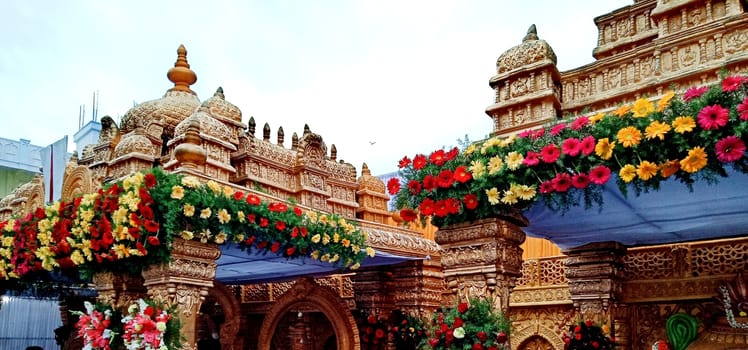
642,108
223,216
121,251
622,110
627,173
495,164
131,200
334,258
205,213
44,238
596,118
513,160
669,168
77,257
240,215
478,169
9,226
370,252
120,216
214,186
508,141
646,170
606,329
355,248
205,235
191,182
493,196
604,148
664,102
238,238
470,149
7,241
684,124
525,192
228,192
355,266
695,160
311,216
315,255
188,210
629,136
656,129
220,238
323,219
325,257
177,192
345,242
186,235
510,197
336,238
316,238
325,239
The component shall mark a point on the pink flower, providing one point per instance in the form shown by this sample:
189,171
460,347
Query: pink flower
600,174
524,134
550,153
538,134
743,109
694,92
580,180
729,149
562,182
713,117
731,83
531,159
580,123
556,129
588,145
546,187
571,147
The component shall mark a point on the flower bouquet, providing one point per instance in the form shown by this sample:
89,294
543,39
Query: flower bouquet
408,331
470,326
148,326
588,336
372,332
95,326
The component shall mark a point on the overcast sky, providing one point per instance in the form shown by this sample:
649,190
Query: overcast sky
380,79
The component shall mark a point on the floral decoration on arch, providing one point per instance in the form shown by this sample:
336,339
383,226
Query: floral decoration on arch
131,224
474,325
149,326
688,137
95,327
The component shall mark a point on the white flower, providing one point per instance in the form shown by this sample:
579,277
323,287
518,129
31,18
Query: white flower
459,333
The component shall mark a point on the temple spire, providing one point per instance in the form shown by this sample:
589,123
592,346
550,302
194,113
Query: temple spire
181,74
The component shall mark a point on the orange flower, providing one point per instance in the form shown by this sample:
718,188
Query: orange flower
669,168
627,173
664,102
695,160
656,130
621,111
604,148
629,136
646,170
684,124
642,108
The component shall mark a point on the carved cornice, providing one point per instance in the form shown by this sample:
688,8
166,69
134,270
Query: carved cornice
667,290
392,240
554,295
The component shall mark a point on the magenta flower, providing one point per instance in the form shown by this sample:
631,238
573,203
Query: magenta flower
731,83
555,130
729,149
579,123
531,159
743,109
546,187
580,180
571,147
588,145
694,92
524,134
713,117
561,182
600,174
538,134
550,153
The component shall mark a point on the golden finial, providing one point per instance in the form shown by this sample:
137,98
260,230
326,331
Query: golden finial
181,74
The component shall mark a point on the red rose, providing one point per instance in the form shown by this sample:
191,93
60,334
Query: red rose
149,311
151,226
501,338
290,251
445,179
153,240
263,222
238,195
477,346
433,342
297,211
595,344
458,322
429,182
441,208
371,319
427,207
280,225
379,333
452,154
274,248
462,307
482,336
295,232
588,323
253,200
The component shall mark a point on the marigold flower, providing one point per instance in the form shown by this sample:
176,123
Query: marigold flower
664,101
669,168
629,136
642,108
627,173
729,149
684,124
713,117
656,130
694,161
604,148
646,170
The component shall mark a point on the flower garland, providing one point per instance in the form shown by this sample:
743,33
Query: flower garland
148,326
728,310
94,326
132,223
688,137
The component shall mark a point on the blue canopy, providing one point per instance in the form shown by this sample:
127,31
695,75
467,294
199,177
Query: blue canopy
239,267
668,215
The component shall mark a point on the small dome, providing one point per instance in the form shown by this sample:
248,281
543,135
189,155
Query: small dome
208,125
369,182
176,105
531,50
219,107
133,143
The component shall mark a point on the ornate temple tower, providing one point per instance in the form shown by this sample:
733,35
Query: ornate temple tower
526,86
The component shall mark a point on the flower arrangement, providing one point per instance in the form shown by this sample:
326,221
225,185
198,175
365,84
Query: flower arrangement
474,325
588,336
688,137
132,223
372,332
148,326
95,327
408,331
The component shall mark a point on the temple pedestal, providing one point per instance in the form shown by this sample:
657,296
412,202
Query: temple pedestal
184,282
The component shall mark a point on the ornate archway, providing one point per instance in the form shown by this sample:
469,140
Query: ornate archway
232,313
536,337
307,291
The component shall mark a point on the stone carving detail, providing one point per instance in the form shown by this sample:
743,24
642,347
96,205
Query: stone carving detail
546,323
736,41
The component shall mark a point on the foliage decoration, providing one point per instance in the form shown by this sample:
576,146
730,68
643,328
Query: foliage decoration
132,223
473,325
690,137
588,336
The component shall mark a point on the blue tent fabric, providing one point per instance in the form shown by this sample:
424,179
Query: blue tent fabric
668,215
236,266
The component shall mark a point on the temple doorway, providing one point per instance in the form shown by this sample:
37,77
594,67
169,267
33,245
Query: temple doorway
302,329
536,343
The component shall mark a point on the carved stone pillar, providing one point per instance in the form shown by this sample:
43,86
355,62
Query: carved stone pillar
184,282
118,289
595,274
481,259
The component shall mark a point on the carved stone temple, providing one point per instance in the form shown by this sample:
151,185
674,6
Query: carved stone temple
643,49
